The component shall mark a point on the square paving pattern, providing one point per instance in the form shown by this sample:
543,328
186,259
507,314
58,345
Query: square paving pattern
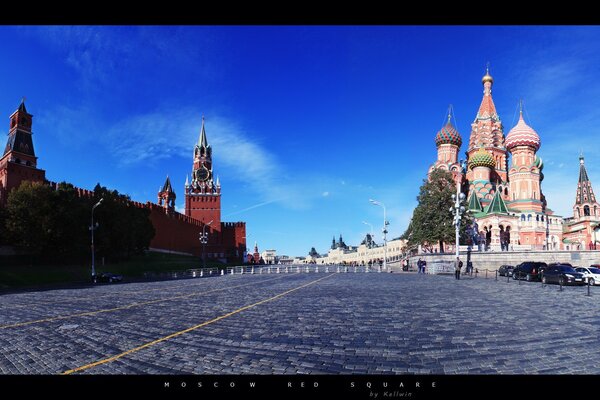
304,323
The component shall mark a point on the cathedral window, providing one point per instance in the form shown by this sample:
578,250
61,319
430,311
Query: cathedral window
522,217
586,211
529,218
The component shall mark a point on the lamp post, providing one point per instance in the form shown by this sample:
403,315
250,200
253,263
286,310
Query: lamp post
92,229
385,224
204,240
458,210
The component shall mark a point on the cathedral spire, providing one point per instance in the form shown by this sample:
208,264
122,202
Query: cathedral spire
202,142
585,193
487,109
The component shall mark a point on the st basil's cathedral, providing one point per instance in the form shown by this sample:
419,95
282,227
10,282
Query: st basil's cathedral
505,198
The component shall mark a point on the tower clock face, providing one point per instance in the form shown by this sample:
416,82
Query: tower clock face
202,174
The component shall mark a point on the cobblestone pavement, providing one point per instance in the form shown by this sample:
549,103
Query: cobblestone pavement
347,323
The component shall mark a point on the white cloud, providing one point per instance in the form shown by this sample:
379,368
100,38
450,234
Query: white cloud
325,194
156,136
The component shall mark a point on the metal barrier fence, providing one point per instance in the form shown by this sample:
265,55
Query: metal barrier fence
300,268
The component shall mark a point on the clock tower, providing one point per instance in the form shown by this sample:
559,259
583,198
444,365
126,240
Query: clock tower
203,194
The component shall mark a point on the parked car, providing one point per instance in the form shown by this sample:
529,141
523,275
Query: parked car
591,275
562,274
528,270
108,277
505,270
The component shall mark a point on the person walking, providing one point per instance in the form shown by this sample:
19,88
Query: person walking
457,268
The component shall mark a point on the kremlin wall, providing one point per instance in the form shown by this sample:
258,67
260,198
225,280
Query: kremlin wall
175,232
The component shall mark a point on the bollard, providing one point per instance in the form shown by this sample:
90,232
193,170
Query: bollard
201,273
560,284
507,278
277,269
316,269
379,269
355,269
338,269
286,270
231,273
222,272
242,271
588,285
519,281
327,270
252,271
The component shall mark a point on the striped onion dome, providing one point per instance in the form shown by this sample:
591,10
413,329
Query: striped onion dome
481,158
522,135
448,135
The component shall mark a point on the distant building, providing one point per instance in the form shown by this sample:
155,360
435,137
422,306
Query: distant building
270,256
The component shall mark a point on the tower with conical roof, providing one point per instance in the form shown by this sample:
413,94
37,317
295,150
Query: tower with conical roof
19,162
487,133
203,194
166,196
586,207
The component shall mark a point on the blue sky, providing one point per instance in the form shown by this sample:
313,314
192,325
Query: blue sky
306,123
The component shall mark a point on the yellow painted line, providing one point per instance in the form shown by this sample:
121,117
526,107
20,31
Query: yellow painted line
38,321
193,328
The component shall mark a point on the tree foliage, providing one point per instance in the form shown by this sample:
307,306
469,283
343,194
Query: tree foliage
432,220
54,224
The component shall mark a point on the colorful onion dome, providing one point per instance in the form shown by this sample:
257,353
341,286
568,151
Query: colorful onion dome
522,135
481,158
448,135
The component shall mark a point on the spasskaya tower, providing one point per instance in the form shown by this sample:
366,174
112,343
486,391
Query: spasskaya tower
203,194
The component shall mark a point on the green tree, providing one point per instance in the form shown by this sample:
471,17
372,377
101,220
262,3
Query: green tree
432,220
123,228
29,220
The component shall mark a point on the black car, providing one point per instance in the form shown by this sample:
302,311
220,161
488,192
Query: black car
107,277
562,274
505,270
529,270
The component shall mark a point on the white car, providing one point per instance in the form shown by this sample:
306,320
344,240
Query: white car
592,274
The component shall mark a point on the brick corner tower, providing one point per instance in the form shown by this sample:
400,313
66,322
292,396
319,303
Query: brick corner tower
18,162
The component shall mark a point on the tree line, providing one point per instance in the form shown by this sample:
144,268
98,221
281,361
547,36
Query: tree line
54,225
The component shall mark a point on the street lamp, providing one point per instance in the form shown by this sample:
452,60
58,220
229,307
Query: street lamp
384,230
366,223
92,229
204,240
458,210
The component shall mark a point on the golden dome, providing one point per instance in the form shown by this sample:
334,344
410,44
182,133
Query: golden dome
487,78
